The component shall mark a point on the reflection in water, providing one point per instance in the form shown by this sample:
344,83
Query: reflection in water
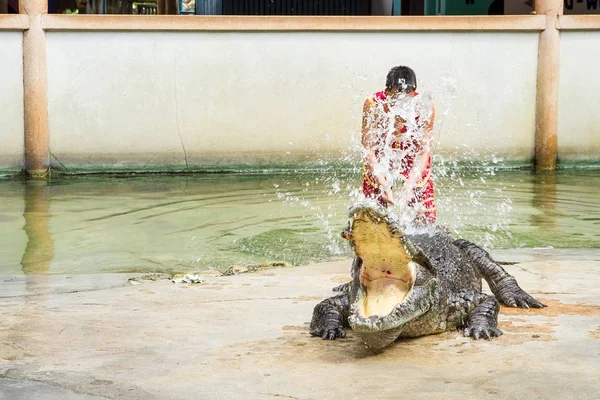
39,251
544,199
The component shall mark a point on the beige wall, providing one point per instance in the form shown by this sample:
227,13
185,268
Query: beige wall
578,117
138,99
11,101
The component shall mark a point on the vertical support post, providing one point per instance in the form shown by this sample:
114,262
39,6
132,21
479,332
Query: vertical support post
397,6
35,87
161,7
546,112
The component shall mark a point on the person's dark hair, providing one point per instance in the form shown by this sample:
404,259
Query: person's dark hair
401,77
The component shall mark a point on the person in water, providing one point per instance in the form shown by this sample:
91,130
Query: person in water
399,151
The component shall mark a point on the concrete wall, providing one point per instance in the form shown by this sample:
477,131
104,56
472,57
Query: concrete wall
578,118
149,99
11,101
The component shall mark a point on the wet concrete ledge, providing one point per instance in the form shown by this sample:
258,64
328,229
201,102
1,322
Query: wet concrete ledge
111,168
246,336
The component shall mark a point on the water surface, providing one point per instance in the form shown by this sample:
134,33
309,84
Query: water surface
186,223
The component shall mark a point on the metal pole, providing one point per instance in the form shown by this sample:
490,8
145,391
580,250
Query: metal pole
35,89
546,113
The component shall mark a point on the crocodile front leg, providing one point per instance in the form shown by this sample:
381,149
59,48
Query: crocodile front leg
476,313
330,317
502,284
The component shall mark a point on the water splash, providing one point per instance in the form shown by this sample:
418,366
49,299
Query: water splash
317,196
466,202
394,140
465,196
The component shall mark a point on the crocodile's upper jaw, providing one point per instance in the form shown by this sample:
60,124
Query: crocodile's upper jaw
387,273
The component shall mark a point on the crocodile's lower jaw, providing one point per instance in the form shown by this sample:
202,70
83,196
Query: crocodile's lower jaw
378,340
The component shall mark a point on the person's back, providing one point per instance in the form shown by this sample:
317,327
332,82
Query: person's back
399,151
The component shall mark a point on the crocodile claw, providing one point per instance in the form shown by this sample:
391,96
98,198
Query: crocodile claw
329,333
511,295
477,332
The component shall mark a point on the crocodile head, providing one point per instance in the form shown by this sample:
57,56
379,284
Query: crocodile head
391,283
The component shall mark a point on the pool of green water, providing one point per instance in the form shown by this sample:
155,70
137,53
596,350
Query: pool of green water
188,223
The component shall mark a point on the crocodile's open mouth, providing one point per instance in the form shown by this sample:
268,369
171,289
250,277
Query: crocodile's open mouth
388,272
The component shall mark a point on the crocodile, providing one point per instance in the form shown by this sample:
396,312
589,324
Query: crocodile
407,285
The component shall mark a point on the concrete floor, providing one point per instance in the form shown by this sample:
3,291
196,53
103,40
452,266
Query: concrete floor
246,337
